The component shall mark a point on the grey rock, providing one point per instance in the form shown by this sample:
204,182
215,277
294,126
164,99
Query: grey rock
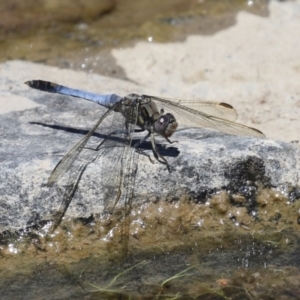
203,162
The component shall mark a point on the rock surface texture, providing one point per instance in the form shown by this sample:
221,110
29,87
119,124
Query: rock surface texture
43,126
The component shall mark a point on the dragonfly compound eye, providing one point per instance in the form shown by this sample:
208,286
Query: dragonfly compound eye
165,125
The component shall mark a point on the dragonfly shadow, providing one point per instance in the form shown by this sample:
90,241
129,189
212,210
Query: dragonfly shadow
163,149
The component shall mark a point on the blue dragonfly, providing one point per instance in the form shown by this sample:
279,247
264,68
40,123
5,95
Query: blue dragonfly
126,116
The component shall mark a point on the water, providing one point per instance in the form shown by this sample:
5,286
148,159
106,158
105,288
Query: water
51,33
181,248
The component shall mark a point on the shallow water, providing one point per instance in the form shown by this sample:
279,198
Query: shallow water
69,36
181,249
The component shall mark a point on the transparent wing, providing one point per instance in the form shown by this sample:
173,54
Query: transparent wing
219,116
111,177
216,109
67,161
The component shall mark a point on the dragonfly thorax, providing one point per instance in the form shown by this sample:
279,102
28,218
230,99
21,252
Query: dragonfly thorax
142,111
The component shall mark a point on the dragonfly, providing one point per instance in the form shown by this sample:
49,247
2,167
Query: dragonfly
126,116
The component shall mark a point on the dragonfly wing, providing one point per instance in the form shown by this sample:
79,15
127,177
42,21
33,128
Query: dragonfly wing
216,109
234,128
116,162
190,117
67,161
111,177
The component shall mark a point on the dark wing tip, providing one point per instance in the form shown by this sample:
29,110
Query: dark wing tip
226,105
259,133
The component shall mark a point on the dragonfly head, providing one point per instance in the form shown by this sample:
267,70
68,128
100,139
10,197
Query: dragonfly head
165,125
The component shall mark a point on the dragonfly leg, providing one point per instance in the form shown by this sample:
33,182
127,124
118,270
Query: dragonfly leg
112,133
140,151
97,148
141,141
170,141
157,155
